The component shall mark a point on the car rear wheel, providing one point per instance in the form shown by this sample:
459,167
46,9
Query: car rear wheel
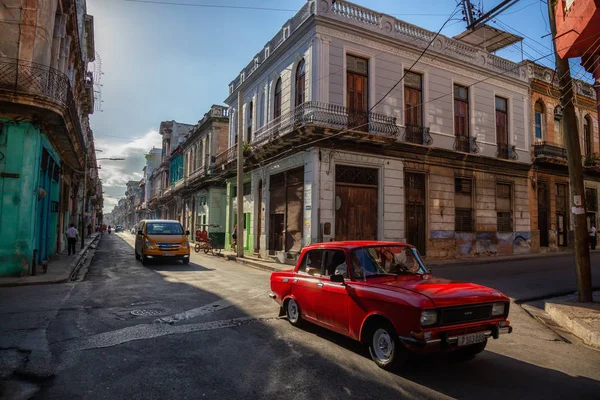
385,348
292,310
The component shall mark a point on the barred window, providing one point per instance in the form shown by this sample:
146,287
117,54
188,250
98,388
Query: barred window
463,205
504,207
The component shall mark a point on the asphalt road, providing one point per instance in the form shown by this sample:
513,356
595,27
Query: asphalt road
209,330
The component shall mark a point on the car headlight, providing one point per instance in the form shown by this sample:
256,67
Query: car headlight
149,244
498,309
428,318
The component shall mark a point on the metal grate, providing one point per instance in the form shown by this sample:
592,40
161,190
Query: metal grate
356,175
457,315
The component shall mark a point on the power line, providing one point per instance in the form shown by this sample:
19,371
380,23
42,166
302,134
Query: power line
418,58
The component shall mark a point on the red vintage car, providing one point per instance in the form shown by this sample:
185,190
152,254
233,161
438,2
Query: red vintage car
380,293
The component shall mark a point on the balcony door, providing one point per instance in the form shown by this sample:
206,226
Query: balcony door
357,80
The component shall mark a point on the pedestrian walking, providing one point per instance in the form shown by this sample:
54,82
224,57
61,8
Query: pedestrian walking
593,236
234,237
72,238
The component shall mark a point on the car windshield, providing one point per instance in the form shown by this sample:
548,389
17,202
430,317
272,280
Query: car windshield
386,260
163,228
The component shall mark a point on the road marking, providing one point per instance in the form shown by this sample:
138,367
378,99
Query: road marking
205,309
150,331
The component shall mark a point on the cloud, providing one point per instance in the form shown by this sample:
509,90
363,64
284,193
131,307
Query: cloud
116,174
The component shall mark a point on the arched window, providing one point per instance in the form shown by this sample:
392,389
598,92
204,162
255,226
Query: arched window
249,114
587,135
261,110
300,83
539,120
277,100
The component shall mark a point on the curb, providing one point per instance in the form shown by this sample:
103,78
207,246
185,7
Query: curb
551,295
250,263
73,268
493,260
575,326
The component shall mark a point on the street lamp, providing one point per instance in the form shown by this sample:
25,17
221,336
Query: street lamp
84,202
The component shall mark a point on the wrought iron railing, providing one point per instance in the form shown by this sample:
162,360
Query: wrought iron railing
466,144
36,79
326,115
545,149
418,135
507,151
226,156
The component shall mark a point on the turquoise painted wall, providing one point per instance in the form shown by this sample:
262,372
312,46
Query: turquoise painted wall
176,168
21,145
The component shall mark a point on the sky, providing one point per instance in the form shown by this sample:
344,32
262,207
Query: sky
163,62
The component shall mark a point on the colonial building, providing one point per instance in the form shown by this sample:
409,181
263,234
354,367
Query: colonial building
46,145
551,225
345,142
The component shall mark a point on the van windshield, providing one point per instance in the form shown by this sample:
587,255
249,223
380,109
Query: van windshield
164,228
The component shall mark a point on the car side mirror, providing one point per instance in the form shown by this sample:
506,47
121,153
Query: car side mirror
187,233
140,232
337,278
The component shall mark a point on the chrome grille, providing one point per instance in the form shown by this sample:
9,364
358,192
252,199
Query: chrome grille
168,246
457,315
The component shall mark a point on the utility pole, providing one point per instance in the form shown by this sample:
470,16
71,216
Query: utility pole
571,138
240,177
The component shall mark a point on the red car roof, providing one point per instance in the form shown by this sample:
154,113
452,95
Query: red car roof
352,244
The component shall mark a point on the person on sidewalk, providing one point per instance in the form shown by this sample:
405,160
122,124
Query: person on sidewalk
72,238
234,238
593,236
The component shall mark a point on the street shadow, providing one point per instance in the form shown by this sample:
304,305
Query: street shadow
176,266
265,358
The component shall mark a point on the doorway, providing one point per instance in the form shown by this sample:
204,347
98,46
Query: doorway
416,225
543,206
356,197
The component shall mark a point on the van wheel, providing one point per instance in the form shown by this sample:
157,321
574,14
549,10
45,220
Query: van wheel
137,256
144,260
186,261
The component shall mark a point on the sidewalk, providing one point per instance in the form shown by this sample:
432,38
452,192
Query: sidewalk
60,267
255,262
581,319
499,259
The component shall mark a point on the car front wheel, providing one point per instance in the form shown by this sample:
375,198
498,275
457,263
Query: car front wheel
293,312
385,348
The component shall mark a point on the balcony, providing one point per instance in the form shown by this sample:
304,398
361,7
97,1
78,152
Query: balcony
226,157
466,144
592,162
29,85
507,152
550,153
417,135
327,116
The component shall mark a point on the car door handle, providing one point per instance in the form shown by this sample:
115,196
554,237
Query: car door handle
320,284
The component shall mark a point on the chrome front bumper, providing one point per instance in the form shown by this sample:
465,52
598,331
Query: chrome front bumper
445,340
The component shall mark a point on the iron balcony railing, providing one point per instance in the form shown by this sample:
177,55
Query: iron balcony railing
26,77
226,156
507,152
466,144
545,149
418,135
326,115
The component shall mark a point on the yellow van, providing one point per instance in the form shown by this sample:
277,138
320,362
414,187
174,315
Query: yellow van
161,239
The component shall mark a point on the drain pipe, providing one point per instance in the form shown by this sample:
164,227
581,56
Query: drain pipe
33,264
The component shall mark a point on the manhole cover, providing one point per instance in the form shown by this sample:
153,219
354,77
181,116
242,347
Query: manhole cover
147,312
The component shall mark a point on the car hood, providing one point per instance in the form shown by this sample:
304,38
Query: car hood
446,292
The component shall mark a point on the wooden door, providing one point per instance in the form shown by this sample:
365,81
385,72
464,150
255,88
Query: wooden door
276,232
356,193
416,225
561,215
543,214
357,101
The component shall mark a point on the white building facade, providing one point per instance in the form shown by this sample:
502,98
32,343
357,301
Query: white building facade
339,146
